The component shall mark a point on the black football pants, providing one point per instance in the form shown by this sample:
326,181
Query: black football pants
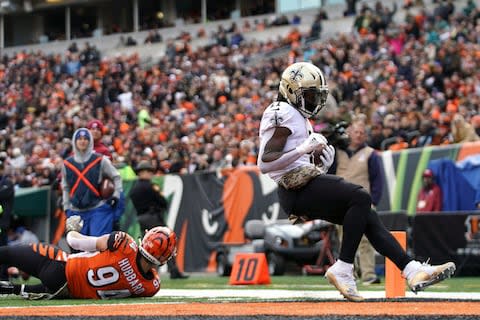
38,260
331,198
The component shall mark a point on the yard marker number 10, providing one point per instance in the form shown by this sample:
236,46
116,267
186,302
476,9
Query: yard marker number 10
250,268
247,269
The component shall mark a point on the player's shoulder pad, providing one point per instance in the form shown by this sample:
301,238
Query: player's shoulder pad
279,114
118,240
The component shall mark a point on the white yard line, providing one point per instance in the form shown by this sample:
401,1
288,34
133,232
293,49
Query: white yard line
290,294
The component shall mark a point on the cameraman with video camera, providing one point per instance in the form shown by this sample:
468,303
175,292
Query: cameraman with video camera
358,163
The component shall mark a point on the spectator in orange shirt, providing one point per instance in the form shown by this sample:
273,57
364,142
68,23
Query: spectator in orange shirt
293,36
430,195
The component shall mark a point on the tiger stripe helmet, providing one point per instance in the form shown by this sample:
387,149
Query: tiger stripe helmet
159,245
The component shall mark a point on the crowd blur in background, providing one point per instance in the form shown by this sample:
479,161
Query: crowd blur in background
416,83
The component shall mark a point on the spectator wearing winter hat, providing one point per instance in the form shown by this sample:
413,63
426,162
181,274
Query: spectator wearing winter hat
96,128
82,174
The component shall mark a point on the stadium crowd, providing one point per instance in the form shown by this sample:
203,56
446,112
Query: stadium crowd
416,83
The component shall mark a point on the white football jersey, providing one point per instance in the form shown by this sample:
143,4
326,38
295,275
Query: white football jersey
281,114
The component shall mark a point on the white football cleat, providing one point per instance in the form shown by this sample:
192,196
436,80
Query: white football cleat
344,281
426,275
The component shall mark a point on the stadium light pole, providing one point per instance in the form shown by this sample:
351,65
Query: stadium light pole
135,16
68,30
2,31
204,11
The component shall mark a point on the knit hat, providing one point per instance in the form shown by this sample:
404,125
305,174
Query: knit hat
82,133
95,124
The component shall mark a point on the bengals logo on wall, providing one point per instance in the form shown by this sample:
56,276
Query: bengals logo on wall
471,223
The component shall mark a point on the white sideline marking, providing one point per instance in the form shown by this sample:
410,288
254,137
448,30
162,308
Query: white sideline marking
290,294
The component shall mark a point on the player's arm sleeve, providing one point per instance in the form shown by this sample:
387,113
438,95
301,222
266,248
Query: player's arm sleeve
86,243
65,190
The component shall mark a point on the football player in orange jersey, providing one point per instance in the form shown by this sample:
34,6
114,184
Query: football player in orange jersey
109,266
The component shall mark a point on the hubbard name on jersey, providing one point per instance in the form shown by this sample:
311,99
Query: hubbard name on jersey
112,273
281,114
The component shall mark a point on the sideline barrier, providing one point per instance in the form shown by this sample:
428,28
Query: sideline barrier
34,205
449,236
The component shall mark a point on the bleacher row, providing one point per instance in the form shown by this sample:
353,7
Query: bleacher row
108,45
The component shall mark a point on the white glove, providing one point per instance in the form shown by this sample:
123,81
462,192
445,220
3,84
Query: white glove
327,157
312,142
73,223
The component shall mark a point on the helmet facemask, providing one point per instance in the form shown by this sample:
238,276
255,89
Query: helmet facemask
311,100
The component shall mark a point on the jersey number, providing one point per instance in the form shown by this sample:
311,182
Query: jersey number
103,277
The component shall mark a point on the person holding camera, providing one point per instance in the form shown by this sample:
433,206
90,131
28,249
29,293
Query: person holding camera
82,174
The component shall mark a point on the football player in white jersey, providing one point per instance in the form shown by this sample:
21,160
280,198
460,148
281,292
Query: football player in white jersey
288,147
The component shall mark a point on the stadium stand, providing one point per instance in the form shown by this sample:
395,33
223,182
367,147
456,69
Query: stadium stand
194,104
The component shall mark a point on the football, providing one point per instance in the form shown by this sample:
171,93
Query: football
106,188
316,155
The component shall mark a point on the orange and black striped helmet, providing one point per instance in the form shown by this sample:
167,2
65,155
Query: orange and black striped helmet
159,245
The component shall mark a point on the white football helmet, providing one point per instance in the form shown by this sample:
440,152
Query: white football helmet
304,86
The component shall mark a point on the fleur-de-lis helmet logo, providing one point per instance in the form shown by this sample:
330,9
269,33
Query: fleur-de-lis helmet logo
296,75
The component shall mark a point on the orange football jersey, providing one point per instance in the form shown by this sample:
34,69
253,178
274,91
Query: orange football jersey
109,274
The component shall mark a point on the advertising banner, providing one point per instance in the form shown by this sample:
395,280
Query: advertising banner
448,237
